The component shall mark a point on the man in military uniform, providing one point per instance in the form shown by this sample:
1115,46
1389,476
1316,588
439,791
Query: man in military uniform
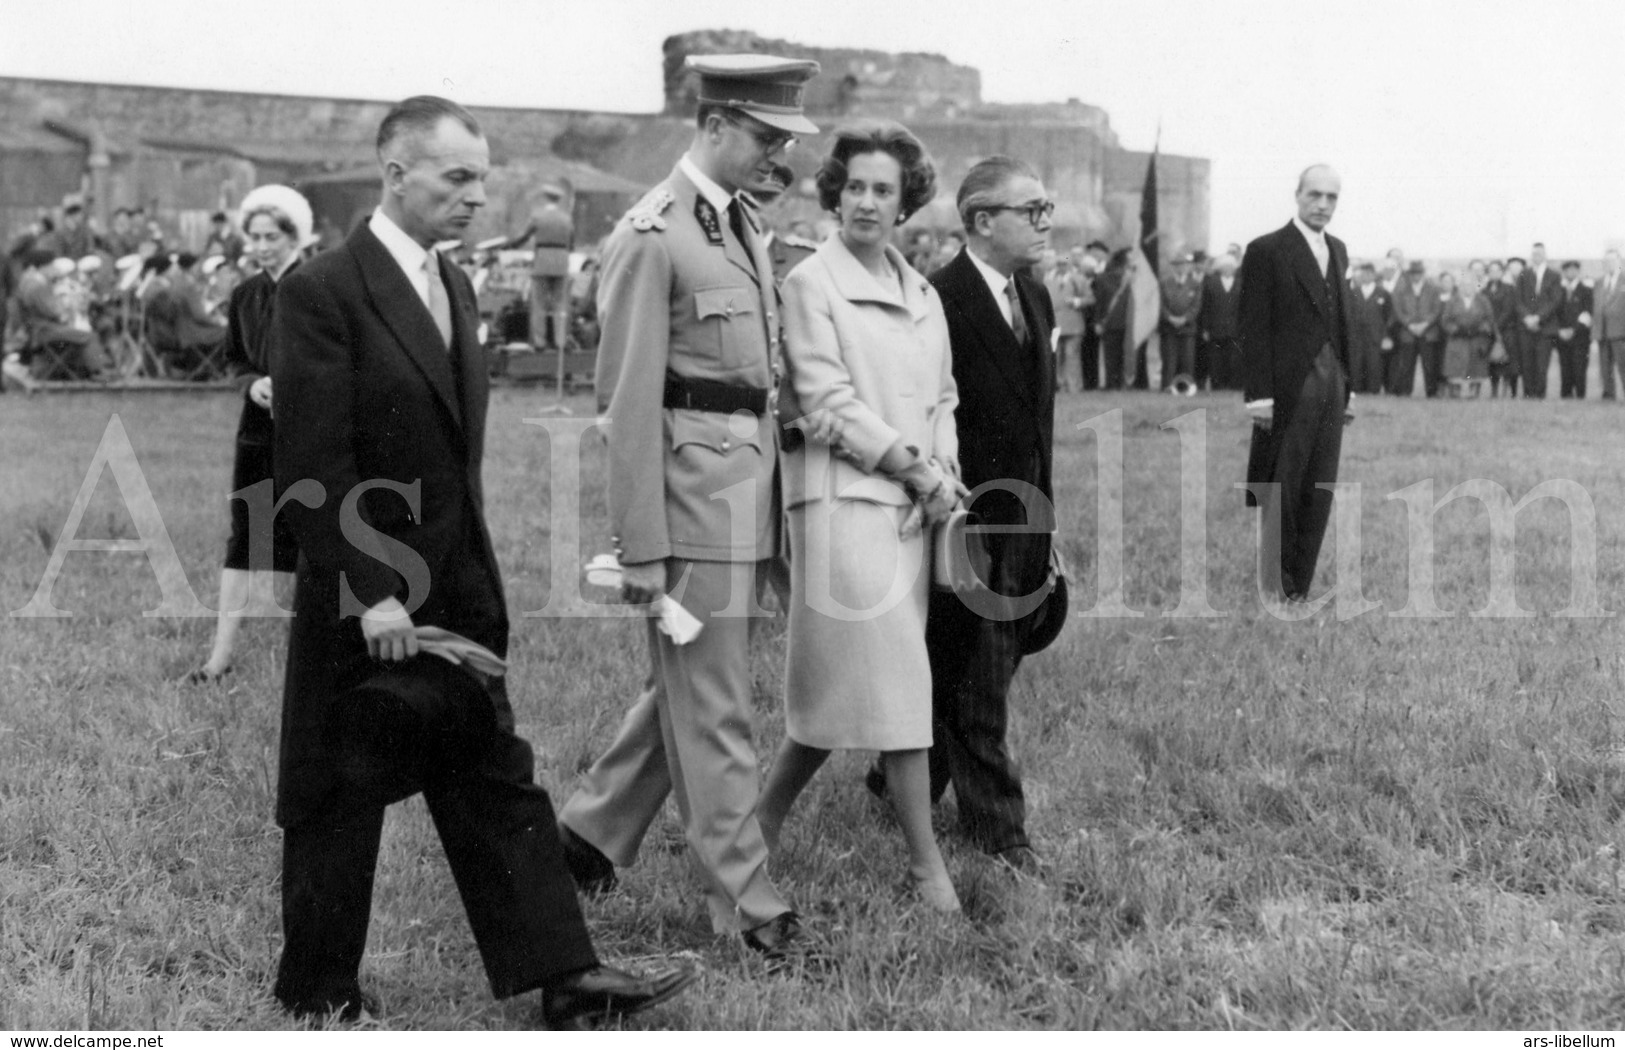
551,235
689,359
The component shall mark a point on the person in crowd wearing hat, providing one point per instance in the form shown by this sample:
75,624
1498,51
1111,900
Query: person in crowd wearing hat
1371,322
1416,309
999,324
1540,292
551,235
380,396
786,250
1217,324
1573,332
1295,355
866,342
1181,304
1070,292
1609,324
1113,290
277,222
1090,263
1505,353
688,360
223,239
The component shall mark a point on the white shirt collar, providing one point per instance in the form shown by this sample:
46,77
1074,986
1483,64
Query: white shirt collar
408,254
996,283
707,186
1314,237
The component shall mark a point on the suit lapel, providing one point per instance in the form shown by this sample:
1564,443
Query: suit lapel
973,300
405,315
1307,270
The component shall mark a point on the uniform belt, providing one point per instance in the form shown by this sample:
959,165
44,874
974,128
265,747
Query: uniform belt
708,395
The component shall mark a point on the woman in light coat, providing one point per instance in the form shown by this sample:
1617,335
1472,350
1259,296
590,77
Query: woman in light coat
867,348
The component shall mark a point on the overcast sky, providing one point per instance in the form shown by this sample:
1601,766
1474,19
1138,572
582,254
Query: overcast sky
1459,128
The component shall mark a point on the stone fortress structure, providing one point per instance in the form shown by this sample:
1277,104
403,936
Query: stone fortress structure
184,153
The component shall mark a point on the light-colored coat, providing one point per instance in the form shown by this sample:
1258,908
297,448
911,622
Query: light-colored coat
672,300
877,357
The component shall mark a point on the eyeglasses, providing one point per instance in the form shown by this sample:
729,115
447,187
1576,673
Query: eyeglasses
770,141
1036,211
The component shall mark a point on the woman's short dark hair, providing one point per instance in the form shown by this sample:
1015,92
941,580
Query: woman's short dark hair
919,179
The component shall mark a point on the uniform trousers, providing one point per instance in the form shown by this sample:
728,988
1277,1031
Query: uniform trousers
689,734
1296,509
549,304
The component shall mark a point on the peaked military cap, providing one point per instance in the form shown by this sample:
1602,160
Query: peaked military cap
767,87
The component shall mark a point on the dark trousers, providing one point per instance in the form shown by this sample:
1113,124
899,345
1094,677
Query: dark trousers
973,661
1366,367
1538,347
1400,366
1223,355
1112,353
1178,356
1305,458
1432,355
1089,355
1573,356
495,824
1611,353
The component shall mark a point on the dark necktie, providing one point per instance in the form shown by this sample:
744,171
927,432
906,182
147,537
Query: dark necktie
1018,321
736,220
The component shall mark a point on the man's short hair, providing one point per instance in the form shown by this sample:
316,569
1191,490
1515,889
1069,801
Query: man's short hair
918,181
980,190
1571,264
218,216
420,115
1539,245
1520,260
1097,246
1304,174
121,210
1365,267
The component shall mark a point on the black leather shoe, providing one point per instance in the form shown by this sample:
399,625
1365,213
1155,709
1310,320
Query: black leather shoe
593,872
1021,859
603,992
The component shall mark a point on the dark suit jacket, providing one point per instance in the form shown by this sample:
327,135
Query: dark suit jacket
366,393
1289,311
1569,308
1370,319
1220,309
1541,301
1006,412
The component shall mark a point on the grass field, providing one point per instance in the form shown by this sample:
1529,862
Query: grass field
1364,822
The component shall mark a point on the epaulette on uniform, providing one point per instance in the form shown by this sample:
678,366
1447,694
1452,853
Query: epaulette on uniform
645,214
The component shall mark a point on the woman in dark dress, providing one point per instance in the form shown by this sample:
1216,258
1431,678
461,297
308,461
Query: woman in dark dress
277,222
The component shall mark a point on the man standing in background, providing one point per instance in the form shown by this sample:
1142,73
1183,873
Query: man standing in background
1294,346
1181,302
551,235
1573,332
1219,358
1608,308
1539,291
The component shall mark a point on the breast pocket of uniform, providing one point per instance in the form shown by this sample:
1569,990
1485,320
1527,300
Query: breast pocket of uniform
730,322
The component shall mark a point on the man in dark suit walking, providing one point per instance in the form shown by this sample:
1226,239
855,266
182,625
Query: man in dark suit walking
1295,347
999,324
1539,292
381,400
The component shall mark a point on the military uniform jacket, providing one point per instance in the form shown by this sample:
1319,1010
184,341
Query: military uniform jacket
680,294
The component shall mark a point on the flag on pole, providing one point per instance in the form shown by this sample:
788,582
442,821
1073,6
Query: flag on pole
1146,302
